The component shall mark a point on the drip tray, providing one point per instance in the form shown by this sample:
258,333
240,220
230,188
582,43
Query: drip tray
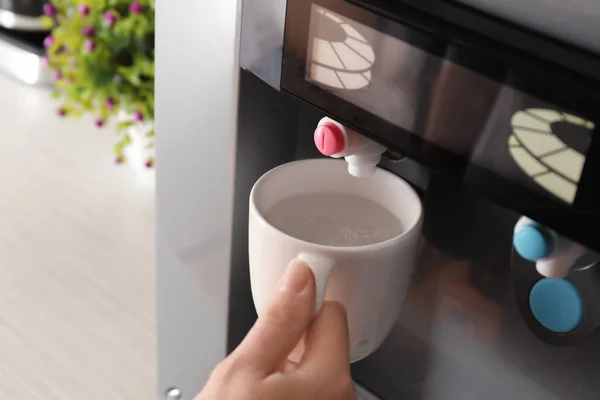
21,56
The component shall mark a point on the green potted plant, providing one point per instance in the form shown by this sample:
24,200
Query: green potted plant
102,54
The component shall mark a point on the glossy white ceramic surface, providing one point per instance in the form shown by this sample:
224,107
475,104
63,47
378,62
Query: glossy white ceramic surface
371,281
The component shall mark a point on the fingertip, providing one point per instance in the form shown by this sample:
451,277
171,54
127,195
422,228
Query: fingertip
336,307
297,278
298,262
336,313
327,340
284,320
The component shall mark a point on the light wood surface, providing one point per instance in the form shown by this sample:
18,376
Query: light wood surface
77,292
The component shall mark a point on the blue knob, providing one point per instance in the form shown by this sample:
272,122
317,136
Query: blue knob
556,305
532,242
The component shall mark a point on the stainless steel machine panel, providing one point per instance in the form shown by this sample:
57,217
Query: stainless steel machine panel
575,21
462,333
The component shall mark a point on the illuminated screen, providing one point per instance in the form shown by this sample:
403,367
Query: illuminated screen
526,140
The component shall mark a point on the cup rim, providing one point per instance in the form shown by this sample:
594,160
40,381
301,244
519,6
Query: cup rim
365,247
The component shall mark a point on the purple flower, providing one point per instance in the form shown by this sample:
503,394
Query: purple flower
138,116
83,10
110,103
49,10
62,112
88,31
149,163
49,41
99,123
45,62
119,160
135,8
89,45
109,18
58,75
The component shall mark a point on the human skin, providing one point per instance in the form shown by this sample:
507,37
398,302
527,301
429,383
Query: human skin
261,367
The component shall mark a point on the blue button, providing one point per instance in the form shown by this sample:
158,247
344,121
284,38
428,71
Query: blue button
532,242
556,304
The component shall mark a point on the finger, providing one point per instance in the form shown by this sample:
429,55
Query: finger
296,354
288,366
324,371
294,358
282,324
327,348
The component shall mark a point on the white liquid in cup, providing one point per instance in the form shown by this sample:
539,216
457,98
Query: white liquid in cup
333,219
359,236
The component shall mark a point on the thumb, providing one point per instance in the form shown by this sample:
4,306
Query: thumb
283,323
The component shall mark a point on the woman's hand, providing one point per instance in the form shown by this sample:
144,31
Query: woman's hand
261,368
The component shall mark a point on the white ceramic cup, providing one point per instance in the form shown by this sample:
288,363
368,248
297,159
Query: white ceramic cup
370,281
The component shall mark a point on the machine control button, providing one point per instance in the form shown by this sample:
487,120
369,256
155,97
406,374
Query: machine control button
556,305
329,139
532,242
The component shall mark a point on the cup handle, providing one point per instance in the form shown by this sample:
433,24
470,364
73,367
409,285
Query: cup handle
321,268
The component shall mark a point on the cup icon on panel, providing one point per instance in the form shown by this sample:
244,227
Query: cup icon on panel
340,56
550,147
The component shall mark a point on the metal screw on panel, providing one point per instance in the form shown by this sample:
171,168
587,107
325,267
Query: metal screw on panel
173,394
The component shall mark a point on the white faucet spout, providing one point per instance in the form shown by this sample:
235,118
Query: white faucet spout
335,140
